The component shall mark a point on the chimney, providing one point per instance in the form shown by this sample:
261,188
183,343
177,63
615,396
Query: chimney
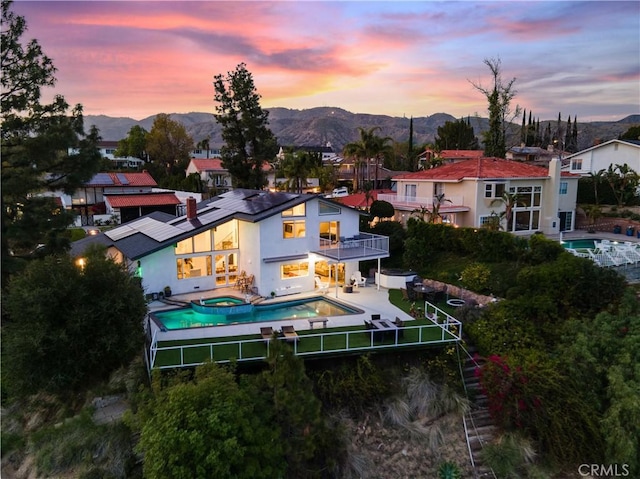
192,211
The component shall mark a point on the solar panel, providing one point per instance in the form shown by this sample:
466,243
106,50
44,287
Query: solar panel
156,230
122,178
101,179
120,232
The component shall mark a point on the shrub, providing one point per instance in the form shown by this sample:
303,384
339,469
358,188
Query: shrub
476,277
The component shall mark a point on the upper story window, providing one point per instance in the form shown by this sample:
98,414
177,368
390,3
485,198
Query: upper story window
224,236
494,190
528,196
299,210
410,191
576,164
327,209
293,229
438,189
563,187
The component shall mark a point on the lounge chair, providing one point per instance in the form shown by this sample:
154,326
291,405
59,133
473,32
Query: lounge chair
321,286
266,333
290,333
358,280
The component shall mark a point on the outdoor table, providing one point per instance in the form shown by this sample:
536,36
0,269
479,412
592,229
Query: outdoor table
424,290
385,327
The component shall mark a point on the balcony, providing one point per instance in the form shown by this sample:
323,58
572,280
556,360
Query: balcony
451,204
362,247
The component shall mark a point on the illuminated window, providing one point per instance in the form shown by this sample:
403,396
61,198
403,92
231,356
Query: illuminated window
299,210
226,235
202,242
330,230
294,270
293,229
193,267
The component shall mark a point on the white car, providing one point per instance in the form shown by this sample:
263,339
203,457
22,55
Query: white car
340,192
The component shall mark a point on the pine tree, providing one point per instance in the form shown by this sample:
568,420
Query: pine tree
249,143
567,135
36,143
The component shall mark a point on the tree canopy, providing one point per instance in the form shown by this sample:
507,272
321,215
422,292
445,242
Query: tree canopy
69,326
44,147
135,144
169,146
456,135
499,96
249,143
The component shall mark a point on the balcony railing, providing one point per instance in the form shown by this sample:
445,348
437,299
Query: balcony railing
167,356
364,245
448,204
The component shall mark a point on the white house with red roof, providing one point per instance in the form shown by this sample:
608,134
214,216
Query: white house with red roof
216,176
600,157
470,194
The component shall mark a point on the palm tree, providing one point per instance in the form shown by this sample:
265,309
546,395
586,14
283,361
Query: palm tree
597,179
296,167
434,214
204,145
368,147
510,201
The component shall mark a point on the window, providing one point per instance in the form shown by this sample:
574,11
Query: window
563,187
327,209
410,192
330,230
193,267
299,210
576,164
494,190
438,189
226,235
294,270
202,242
293,229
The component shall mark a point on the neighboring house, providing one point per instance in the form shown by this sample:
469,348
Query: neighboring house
211,172
129,207
359,200
600,157
89,200
108,149
531,154
447,156
204,154
470,193
217,177
283,239
325,152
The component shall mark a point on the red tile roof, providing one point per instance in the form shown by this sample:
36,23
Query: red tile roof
122,179
208,164
215,164
358,200
153,199
461,154
479,168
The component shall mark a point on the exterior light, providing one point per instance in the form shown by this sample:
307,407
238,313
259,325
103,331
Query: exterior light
81,263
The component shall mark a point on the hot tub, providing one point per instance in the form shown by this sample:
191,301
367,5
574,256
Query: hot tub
394,278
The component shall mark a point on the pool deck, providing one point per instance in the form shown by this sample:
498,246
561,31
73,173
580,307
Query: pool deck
368,299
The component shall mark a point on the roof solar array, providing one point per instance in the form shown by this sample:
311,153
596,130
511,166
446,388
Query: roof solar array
101,179
155,229
122,178
120,232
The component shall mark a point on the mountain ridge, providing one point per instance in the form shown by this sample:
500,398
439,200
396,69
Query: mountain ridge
334,125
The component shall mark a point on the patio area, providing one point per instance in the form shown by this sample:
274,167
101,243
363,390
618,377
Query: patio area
345,334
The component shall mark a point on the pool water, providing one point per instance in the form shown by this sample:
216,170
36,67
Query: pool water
298,309
581,243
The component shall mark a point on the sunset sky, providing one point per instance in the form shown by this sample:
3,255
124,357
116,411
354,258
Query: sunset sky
136,59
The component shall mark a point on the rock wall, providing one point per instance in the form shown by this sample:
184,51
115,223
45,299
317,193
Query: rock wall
458,292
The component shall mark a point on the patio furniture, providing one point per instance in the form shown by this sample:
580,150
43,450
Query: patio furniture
267,333
358,280
399,324
385,329
313,321
375,317
320,285
290,334
425,291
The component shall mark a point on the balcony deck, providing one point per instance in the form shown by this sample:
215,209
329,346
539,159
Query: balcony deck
363,247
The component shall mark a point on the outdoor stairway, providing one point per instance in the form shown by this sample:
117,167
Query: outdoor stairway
479,425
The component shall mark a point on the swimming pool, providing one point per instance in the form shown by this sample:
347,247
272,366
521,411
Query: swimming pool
581,243
298,309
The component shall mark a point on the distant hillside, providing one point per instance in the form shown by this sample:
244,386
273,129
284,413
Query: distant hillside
317,126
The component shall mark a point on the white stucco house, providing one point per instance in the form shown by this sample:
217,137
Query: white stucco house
470,193
284,240
600,157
